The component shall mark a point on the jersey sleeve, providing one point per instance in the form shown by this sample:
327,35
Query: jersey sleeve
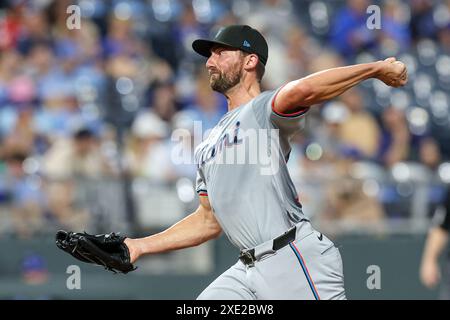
288,124
200,185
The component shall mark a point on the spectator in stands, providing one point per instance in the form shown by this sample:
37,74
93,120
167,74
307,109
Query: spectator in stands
268,14
59,113
35,29
185,30
360,131
148,153
207,106
422,23
324,60
26,197
10,62
395,138
11,25
164,100
78,157
266,18
22,136
394,34
185,138
349,33
67,161
429,153
120,39
328,132
350,206
300,50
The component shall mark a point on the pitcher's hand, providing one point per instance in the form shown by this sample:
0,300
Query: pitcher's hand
393,73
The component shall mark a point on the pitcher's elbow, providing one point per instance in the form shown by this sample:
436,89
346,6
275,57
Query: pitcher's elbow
304,95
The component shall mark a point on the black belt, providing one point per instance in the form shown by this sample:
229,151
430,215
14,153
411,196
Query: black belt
248,256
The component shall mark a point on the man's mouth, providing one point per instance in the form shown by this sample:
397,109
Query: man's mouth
211,72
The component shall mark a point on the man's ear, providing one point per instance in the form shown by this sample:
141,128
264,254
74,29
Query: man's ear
251,61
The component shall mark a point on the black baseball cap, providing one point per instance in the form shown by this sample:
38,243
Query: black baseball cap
240,37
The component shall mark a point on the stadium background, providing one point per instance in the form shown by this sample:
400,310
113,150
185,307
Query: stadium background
86,118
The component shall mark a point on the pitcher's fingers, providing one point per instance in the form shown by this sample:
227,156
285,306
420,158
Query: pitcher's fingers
403,74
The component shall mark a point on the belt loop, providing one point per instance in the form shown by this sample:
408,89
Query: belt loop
248,257
265,248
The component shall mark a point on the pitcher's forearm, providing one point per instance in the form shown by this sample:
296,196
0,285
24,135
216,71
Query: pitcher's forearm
189,232
182,235
297,95
331,83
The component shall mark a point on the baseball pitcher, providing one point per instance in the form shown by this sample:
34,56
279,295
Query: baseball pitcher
252,199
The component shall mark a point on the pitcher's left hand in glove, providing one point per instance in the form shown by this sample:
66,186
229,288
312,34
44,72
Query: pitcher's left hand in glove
106,250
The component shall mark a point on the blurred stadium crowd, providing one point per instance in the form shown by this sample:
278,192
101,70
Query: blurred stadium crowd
86,115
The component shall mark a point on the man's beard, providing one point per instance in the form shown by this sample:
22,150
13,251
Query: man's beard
224,82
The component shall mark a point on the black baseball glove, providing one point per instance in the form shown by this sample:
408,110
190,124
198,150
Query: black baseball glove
107,250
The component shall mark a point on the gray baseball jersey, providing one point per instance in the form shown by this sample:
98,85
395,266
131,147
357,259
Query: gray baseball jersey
255,201
242,169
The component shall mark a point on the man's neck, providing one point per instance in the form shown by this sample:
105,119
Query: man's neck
241,94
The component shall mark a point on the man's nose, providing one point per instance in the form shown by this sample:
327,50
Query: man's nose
210,62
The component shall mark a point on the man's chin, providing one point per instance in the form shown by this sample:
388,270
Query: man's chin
214,86
217,89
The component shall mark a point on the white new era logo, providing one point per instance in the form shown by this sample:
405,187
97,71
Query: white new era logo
246,44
